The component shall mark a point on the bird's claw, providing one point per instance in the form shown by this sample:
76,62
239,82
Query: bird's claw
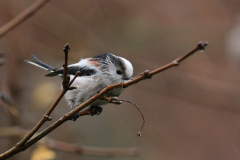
75,117
95,110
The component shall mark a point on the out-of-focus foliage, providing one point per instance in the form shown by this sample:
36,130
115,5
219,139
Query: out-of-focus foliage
44,94
43,153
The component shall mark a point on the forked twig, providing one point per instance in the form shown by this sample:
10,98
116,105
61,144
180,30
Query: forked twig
46,116
145,75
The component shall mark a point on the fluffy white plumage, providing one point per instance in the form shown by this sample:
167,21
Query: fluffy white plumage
95,74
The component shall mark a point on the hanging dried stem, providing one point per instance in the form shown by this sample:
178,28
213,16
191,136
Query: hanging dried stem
139,133
114,101
26,143
22,16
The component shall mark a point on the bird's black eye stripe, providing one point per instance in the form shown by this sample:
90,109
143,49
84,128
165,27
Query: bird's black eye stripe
119,71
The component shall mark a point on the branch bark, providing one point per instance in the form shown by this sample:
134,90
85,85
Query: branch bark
17,131
145,75
46,117
22,17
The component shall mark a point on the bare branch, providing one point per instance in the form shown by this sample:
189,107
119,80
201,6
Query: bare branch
142,76
66,86
22,16
17,131
66,79
68,147
46,117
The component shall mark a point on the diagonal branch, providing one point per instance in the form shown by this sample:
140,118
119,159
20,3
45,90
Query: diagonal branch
145,75
22,17
141,77
96,151
17,131
46,117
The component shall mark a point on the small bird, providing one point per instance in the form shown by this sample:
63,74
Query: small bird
96,73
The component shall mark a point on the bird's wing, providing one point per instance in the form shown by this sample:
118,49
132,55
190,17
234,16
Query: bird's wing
72,70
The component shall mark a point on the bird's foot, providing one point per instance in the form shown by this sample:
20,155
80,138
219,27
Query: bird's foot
95,110
75,117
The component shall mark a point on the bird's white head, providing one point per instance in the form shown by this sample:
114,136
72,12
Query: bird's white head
128,69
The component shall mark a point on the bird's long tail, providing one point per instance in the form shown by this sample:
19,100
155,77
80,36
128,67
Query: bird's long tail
41,64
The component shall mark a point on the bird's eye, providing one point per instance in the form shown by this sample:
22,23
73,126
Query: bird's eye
119,71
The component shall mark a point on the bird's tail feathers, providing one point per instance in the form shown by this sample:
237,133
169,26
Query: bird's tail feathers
41,64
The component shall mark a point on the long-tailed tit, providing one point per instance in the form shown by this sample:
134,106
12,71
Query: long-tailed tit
95,74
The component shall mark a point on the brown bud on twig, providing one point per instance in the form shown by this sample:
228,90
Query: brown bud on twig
47,118
65,67
202,45
175,63
66,48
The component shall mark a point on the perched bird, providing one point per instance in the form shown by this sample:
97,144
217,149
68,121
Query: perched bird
95,74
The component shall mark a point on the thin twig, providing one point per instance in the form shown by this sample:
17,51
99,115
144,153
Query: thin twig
22,16
42,121
142,76
66,78
70,83
46,116
96,151
110,100
84,113
17,131
139,133
66,87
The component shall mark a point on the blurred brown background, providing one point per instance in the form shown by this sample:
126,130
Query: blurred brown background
191,112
